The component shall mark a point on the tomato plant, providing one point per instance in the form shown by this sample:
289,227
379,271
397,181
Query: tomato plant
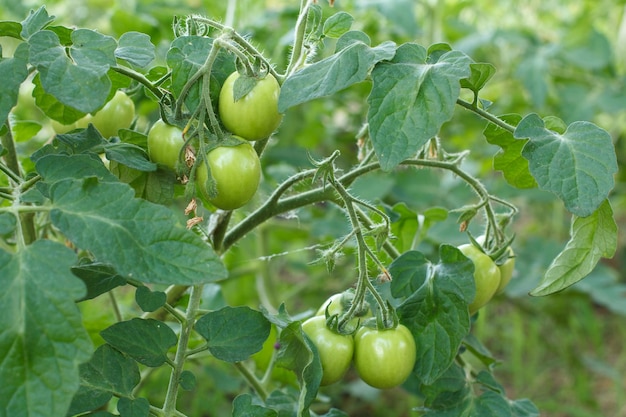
374,180
165,143
486,276
384,358
335,350
236,171
255,115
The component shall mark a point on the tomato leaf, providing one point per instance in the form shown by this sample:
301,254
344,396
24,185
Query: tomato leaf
349,66
39,366
7,223
136,407
480,73
524,408
57,167
11,29
108,372
337,24
35,21
578,165
52,107
296,353
234,343
411,99
130,155
145,340
243,407
149,300
98,278
96,216
135,48
436,312
81,84
509,160
14,71
591,238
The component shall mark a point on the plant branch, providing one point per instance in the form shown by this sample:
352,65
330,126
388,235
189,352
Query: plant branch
485,115
140,78
300,32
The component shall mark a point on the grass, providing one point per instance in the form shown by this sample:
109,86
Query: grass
562,352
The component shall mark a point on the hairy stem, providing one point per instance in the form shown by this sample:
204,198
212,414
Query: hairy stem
169,406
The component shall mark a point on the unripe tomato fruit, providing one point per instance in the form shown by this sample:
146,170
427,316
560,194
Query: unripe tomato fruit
237,173
254,116
164,144
486,276
335,350
117,114
384,358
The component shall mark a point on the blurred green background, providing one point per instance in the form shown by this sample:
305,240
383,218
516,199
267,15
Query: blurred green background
568,59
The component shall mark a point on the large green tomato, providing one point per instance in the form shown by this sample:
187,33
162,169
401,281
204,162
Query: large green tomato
486,276
335,350
164,144
117,114
237,173
254,116
384,358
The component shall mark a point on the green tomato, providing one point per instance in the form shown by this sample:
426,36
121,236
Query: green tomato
237,173
340,302
335,350
506,271
254,116
117,114
486,276
164,144
384,358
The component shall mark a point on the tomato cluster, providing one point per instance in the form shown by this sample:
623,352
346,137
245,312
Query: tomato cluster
384,358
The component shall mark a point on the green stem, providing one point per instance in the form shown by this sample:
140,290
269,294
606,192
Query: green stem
169,405
140,78
300,32
252,380
485,115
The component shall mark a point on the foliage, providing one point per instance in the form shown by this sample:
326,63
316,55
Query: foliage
85,216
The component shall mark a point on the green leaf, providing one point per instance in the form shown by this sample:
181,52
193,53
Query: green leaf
156,187
480,73
578,165
591,238
490,404
57,167
243,407
510,160
7,223
411,99
479,351
98,278
524,408
42,341
234,343
145,340
24,130
450,389
149,300
139,239
93,51
436,312
187,380
36,21
83,84
14,71
107,373
337,24
296,353
130,155
349,66
136,407
52,107
135,48
11,29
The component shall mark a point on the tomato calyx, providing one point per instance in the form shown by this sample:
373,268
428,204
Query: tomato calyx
499,254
